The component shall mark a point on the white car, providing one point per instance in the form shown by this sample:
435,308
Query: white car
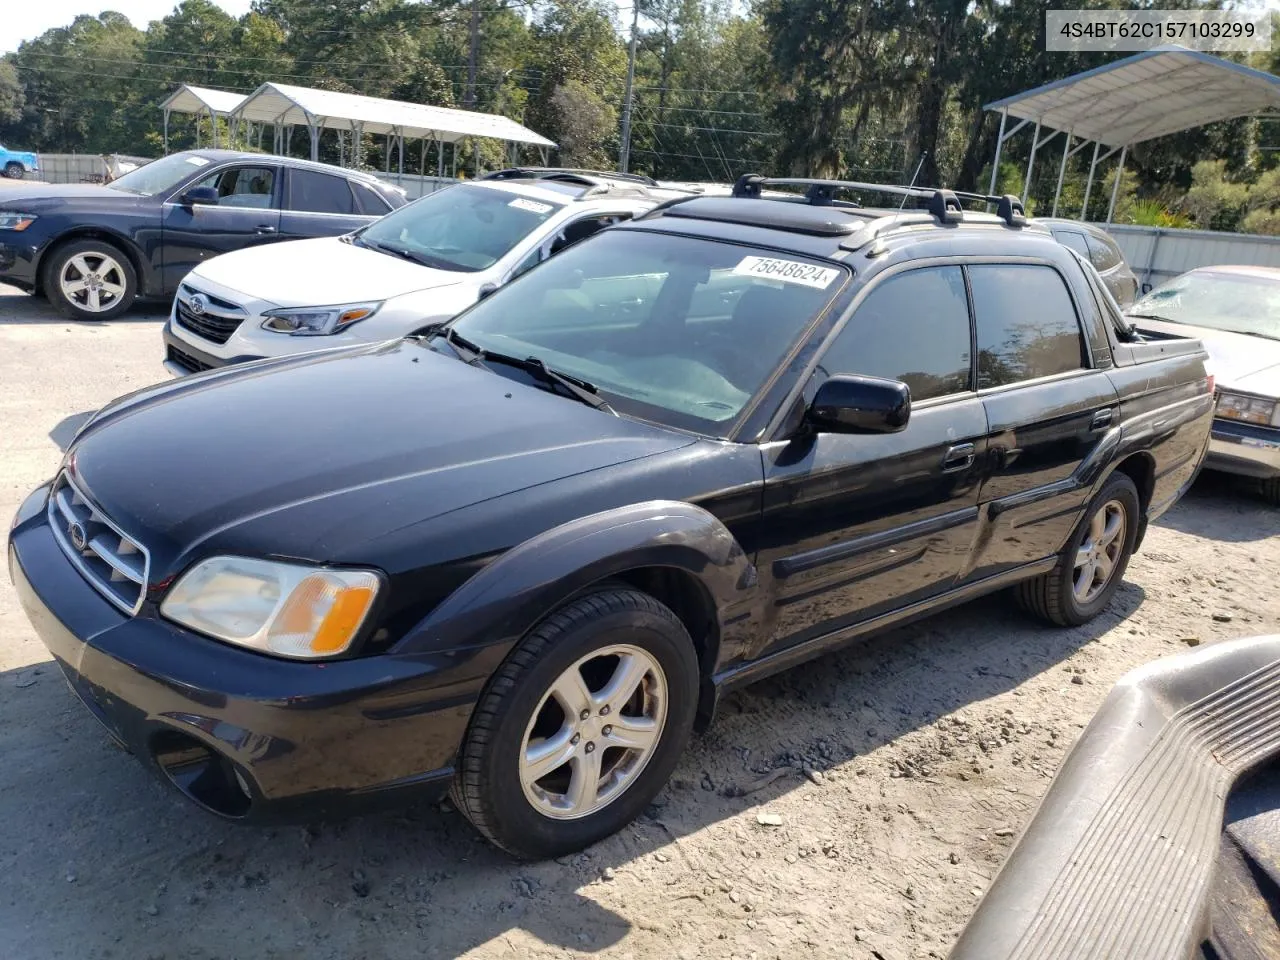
420,264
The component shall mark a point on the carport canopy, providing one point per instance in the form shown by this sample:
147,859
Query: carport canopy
283,106
199,102
1148,95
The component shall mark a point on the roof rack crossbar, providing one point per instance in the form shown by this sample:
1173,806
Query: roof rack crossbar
942,203
1008,207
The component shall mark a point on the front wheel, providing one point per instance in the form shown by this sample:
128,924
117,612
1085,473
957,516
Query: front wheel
581,727
1271,491
1092,564
90,280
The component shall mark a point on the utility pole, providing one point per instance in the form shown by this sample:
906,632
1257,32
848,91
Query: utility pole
469,96
624,154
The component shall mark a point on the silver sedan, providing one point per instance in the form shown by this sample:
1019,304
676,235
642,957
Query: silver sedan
1236,312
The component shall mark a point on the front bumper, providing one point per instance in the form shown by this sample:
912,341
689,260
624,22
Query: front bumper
1244,449
246,736
19,256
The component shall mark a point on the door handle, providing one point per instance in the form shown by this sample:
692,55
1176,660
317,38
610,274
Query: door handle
264,228
959,457
1101,419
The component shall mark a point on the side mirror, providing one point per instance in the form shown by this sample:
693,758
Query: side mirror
858,404
200,197
486,290
1146,288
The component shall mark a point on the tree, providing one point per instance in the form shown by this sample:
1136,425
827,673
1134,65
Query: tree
11,95
584,124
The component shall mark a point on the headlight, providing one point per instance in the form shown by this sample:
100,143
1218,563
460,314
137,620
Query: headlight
317,321
11,220
1235,406
278,608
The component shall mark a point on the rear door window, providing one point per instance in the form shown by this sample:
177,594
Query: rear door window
912,327
1102,254
1026,323
312,192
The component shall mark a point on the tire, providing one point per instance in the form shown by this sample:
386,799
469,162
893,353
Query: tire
1056,596
496,789
84,274
14,170
1271,491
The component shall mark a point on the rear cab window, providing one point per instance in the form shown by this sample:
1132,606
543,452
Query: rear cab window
314,192
1027,326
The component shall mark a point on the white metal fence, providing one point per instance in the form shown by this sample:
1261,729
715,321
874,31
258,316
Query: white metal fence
1157,254
412,184
86,167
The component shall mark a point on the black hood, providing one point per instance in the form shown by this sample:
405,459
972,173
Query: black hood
253,459
36,193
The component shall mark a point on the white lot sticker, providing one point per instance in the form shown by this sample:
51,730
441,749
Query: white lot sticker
788,271
197,161
533,206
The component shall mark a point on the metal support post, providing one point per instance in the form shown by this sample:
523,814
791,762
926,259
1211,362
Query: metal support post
1115,187
1062,169
1088,184
1031,161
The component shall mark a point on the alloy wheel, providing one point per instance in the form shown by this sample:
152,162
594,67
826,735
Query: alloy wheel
1097,557
593,732
93,281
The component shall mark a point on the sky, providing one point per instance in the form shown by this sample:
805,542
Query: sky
27,19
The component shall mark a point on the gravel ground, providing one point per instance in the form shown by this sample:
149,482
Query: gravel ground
854,807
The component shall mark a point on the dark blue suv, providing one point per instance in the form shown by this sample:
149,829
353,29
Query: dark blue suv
92,250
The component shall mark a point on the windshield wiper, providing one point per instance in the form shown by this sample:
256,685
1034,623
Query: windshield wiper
413,256
582,390
1154,316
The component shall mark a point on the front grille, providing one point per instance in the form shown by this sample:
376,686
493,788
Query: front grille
216,321
113,563
187,361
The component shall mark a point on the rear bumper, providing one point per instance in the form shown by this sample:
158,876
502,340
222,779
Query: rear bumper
245,736
1244,449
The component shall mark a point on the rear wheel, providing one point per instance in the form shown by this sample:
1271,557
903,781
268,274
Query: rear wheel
90,280
14,170
581,726
1092,564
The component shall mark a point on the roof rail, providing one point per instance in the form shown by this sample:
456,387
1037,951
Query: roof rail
551,173
943,204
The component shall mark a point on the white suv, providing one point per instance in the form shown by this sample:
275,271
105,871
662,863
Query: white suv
420,264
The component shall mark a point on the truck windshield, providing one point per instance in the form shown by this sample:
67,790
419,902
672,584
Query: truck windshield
675,330
1236,302
160,176
467,227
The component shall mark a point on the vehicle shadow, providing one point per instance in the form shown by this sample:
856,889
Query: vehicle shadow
17,308
149,869
1222,507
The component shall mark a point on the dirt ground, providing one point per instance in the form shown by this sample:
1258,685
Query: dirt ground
902,770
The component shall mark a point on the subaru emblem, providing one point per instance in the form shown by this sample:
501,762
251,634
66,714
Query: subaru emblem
79,539
197,304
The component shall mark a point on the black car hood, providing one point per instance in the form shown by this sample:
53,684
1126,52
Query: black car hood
35,193
237,460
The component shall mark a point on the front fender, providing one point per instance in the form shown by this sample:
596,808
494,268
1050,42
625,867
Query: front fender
499,605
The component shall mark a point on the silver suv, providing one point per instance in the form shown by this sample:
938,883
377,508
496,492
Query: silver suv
422,263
